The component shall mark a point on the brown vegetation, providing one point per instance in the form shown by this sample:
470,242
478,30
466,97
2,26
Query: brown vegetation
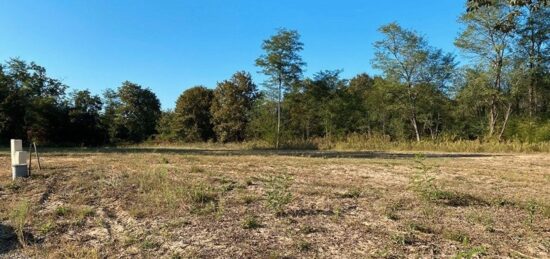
181,203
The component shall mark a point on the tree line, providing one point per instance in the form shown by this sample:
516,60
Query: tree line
423,93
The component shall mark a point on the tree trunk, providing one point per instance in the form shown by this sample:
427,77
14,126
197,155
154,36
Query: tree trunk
506,116
278,114
415,126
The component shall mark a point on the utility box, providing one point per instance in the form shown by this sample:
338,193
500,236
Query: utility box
19,171
16,145
19,158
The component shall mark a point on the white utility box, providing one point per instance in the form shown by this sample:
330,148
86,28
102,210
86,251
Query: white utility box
19,158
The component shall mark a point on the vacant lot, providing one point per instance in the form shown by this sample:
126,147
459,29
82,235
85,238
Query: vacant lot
203,203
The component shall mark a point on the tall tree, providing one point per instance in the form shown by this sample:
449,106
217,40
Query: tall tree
193,117
532,53
136,112
406,57
231,106
31,103
84,117
282,64
487,39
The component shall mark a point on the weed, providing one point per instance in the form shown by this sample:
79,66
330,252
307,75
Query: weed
278,194
46,227
87,212
251,222
531,207
423,181
201,194
471,252
337,212
62,211
19,219
204,199
458,236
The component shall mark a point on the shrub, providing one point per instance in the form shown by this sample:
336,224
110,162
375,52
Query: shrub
278,194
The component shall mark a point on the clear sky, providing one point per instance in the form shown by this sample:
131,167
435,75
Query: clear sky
170,46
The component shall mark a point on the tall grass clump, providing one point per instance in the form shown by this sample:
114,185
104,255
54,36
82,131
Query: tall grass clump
19,218
442,144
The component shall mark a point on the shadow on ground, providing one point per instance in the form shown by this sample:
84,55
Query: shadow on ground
8,239
261,152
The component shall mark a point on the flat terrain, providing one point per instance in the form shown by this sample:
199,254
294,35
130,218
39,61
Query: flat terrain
234,204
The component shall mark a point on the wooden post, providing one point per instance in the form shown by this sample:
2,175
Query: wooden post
30,159
37,156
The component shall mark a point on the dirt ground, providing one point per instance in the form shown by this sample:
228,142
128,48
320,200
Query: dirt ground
171,203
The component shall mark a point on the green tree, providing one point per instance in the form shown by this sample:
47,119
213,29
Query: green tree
406,57
132,111
487,40
532,57
166,126
231,107
193,117
31,103
283,66
85,120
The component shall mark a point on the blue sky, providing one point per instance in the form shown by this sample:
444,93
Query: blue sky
170,46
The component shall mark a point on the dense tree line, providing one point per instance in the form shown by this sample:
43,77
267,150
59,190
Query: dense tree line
423,93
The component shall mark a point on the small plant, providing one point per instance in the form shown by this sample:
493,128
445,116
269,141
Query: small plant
19,219
531,208
471,252
251,222
46,227
457,236
62,211
204,199
423,181
278,194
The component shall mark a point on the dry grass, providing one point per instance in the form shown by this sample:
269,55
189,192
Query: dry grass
167,203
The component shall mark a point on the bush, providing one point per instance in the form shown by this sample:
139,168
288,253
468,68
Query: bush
278,194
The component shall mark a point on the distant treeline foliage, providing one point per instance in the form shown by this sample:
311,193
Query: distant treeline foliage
423,93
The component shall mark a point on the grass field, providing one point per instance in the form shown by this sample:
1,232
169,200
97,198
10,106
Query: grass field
221,203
